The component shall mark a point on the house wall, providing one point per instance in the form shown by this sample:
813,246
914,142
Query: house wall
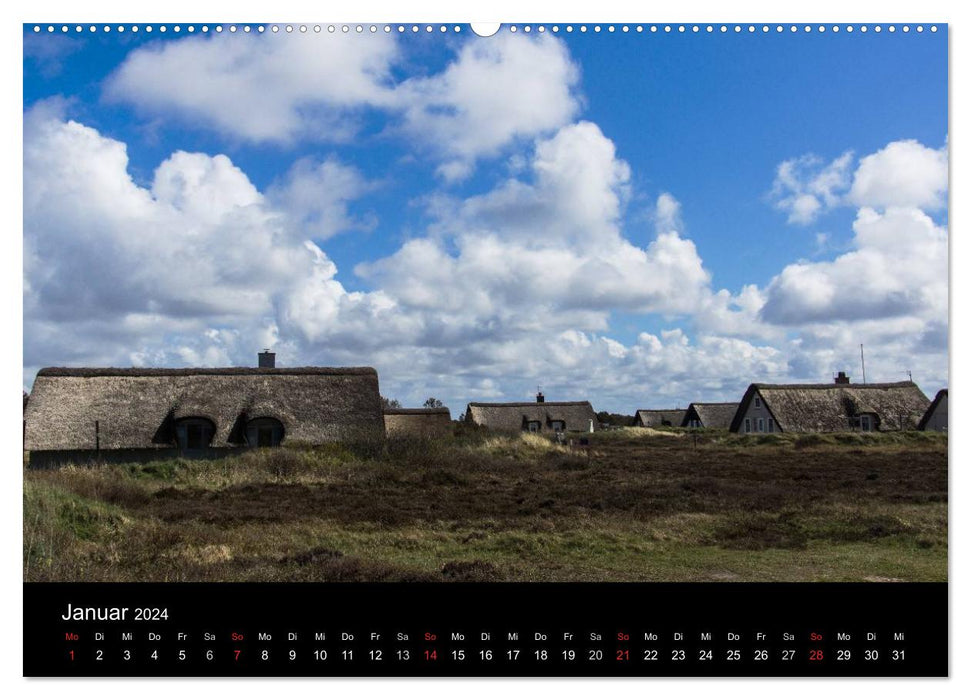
755,414
938,419
424,425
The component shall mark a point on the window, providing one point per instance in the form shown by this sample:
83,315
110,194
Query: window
264,436
558,425
761,425
758,402
533,426
694,423
771,425
194,433
264,432
748,425
865,423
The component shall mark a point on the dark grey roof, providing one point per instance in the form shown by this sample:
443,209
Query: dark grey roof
415,411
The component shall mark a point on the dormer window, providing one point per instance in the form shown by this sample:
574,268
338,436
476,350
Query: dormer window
194,433
558,426
264,432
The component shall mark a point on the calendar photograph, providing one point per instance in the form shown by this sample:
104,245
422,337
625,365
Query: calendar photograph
454,304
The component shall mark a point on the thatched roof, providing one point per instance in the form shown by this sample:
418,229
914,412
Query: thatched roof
650,417
830,407
929,413
197,371
137,408
427,422
711,415
576,415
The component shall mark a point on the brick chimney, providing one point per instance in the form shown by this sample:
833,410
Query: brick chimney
267,359
539,397
841,378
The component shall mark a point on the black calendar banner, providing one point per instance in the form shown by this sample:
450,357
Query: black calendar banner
476,629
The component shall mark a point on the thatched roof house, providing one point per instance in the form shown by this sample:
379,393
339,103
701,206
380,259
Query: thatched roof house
151,413
935,417
422,422
816,408
538,417
654,417
716,416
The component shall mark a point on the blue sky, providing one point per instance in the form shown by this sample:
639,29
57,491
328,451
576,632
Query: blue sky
642,219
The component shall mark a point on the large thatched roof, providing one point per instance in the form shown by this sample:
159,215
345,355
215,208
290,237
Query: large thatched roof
514,416
830,407
711,415
650,417
137,408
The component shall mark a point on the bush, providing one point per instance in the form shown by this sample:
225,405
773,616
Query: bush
759,531
475,570
812,440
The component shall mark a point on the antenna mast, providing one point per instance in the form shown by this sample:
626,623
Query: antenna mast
862,363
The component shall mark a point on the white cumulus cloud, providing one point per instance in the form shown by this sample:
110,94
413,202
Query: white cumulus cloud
112,268
496,90
319,87
549,247
261,88
807,186
898,268
507,289
315,194
902,174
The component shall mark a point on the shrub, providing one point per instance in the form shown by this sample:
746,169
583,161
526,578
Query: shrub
475,570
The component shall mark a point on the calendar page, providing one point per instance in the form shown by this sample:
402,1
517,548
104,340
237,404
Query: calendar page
546,349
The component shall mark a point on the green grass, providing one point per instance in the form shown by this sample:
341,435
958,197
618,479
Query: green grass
634,505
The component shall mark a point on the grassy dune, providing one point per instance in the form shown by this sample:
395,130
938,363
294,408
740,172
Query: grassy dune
636,505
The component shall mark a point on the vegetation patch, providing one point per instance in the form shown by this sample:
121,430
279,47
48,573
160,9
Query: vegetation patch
313,556
480,505
761,531
475,570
